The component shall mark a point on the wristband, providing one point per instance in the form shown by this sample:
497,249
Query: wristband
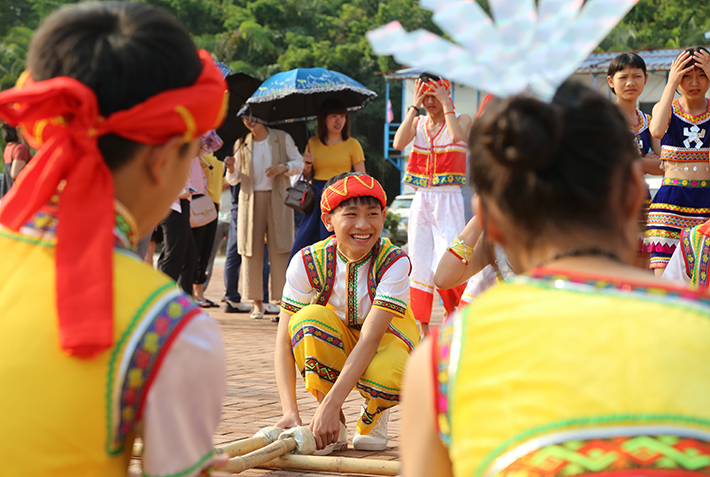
415,108
460,250
450,112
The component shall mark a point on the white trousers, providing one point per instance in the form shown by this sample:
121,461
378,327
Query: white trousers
435,219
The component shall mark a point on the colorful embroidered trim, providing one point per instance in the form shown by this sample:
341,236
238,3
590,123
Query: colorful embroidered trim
582,422
389,306
696,254
316,333
688,253
147,356
375,393
673,154
678,111
368,418
685,182
289,307
642,120
551,278
616,454
313,366
391,329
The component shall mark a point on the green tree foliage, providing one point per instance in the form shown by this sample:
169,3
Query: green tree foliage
263,37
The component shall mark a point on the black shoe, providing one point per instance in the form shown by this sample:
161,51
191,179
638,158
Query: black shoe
239,307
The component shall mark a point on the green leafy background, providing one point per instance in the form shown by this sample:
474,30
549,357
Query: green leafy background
263,37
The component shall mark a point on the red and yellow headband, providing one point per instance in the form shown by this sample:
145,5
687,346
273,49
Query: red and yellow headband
441,82
349,187
60,117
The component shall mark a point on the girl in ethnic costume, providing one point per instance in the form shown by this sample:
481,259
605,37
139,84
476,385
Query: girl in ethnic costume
345,320
684,126
96,347
583,360
627,78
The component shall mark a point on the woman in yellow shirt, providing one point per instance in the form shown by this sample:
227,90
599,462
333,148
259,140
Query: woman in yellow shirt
330,153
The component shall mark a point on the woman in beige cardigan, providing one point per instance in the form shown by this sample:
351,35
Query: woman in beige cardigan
261,163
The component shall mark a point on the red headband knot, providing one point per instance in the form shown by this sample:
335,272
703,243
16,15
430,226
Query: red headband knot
349,187
60,117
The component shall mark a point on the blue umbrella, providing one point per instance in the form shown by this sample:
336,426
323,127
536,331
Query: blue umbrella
296,95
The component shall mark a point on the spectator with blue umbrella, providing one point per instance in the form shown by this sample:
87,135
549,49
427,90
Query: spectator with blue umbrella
304,94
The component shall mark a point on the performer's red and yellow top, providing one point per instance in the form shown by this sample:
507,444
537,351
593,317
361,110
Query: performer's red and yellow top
435,160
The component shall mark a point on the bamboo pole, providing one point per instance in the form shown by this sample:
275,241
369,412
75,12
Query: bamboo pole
259,457
241,447
336,464
264,437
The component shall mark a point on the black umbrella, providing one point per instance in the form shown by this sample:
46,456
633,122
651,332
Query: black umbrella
241,87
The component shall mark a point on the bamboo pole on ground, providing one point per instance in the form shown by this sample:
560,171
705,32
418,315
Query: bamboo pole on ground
262,438
259,457
342,465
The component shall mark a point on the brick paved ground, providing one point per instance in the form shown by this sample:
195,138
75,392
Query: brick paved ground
252,400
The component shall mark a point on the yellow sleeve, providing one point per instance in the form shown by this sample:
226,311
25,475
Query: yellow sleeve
356,153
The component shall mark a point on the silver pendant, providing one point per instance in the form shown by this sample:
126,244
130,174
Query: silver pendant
685,168
695,168
675,168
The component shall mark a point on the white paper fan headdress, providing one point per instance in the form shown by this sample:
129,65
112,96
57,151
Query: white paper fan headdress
520,49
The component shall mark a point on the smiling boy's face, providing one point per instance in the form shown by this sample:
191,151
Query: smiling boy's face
357,225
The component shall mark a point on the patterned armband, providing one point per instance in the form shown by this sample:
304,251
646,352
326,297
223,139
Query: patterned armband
460,250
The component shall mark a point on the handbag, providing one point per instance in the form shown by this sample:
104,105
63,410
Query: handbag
202,211
301,196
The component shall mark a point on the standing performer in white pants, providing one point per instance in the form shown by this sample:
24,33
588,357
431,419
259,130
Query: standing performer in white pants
437,169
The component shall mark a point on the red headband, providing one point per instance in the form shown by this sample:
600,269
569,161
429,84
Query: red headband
60,117
441,82
349,187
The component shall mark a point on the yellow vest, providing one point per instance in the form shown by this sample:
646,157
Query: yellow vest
536,366
64,416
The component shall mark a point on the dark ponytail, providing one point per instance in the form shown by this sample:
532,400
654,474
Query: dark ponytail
552,164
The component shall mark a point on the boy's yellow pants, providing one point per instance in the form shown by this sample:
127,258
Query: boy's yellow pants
321,344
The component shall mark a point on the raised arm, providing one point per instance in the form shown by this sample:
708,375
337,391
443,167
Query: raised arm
457,127
408,129
662,110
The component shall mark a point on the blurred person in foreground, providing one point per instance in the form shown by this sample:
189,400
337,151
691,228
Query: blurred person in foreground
96,346
584,358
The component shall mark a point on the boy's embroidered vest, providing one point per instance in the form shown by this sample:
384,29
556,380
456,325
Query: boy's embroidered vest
687,138
696,256
320,257
642,136
435,161
64,416
319,260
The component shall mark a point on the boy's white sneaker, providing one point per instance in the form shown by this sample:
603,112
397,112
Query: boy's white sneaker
341,444
377,439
